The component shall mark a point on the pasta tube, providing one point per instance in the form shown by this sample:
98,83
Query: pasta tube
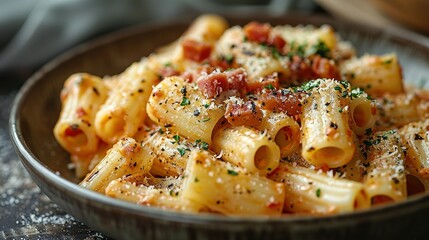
385,176
362,112
182,108
415,138
171,153
306,38
326,136
164,198
195,44
229,191
313,192
125,108
356,168
82,164
395,111
125,157
247,148
82,96
377,75
256,59
283,130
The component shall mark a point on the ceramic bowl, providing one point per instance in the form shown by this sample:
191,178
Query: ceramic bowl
411,13
36,110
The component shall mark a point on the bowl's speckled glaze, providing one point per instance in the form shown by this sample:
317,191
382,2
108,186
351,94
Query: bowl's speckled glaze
36,110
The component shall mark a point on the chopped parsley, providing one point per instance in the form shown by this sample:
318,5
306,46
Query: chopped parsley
182,151
185,102
206,105
205,120
173,193
300,50
356,92
370,143
229,59
318,192
388,61
269,86
321,49
310,85
345,83
201,144
232,172
275,52
176,138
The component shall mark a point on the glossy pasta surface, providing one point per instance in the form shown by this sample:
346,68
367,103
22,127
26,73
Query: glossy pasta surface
250,120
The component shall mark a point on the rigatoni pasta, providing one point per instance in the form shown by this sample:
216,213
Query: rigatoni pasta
385,175
121,114
229,190
81,98
247,148
250,120
316,192
326,135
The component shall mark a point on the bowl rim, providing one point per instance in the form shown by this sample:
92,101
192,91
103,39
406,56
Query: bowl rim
30,160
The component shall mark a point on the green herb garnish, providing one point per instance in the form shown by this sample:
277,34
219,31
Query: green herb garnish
182,151
318,192
232,172
269,86
185,102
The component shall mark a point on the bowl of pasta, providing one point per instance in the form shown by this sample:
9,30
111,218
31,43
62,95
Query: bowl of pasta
240,128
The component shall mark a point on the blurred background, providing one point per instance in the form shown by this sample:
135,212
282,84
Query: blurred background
35,31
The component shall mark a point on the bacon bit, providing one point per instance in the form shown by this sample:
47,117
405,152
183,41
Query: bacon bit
196,51
247,114
278,42
324,68
80,112
272,79
72,131
222,62
194,75
168,71
257,32
300,69
237,81
188,77
282,102
213,84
